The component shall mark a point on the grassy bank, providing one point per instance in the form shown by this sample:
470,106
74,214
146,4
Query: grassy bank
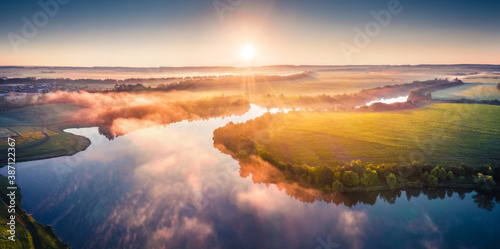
38,131
441,134
29,233
453,142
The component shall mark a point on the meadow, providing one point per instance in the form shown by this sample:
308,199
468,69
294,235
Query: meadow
445,145
439,134
475,91
38,131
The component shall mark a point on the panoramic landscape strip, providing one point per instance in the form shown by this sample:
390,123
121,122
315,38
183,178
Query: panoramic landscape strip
249,124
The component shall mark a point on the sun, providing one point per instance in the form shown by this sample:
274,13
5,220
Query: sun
247,52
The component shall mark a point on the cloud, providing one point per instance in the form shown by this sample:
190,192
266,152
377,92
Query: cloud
427,231
352,225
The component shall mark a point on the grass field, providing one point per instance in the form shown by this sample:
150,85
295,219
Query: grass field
469,91
27,126
440,134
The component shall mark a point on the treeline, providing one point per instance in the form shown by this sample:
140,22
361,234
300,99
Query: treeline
347,102
424,93
358,176
229,80
28,100
134,81
483,200
303,193
238,139
470,101
61,81
183,85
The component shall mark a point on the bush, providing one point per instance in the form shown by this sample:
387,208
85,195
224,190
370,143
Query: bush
484,182
369,178
461,179
415,184
337,176
391,181
439,173
432,181
350,179
458,170
450,176
337,186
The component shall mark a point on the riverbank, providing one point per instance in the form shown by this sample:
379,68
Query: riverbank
39,132
28,232
320,150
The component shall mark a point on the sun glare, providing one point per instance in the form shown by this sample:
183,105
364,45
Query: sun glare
247,52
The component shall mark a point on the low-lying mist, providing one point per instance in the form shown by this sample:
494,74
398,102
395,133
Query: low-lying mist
119,113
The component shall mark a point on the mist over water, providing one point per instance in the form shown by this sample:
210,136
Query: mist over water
168,187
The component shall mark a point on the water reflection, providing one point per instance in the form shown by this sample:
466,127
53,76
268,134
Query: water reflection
168,187
262,172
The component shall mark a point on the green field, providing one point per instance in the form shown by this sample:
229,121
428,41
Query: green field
440,134
27,126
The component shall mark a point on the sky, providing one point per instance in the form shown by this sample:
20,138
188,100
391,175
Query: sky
153,33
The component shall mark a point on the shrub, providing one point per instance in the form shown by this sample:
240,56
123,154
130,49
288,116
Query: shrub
369,178
350,178
458,170
337,176
461,179
484,182
432,181
439,173
450,176
415,184
337,186
391,181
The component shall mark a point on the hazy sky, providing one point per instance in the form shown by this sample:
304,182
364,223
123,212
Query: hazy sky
213,32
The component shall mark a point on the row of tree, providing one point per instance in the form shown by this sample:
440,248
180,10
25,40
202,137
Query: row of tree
355,176
359,176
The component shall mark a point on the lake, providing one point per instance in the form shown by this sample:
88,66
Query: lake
168,187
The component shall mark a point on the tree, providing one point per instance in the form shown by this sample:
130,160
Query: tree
350,178
450,176
369,178
337,186
432,181
461,179
439,173
391,181
337,176
484,182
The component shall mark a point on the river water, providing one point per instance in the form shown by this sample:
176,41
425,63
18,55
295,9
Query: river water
168,187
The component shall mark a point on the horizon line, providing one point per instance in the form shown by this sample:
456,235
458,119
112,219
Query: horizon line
261,66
